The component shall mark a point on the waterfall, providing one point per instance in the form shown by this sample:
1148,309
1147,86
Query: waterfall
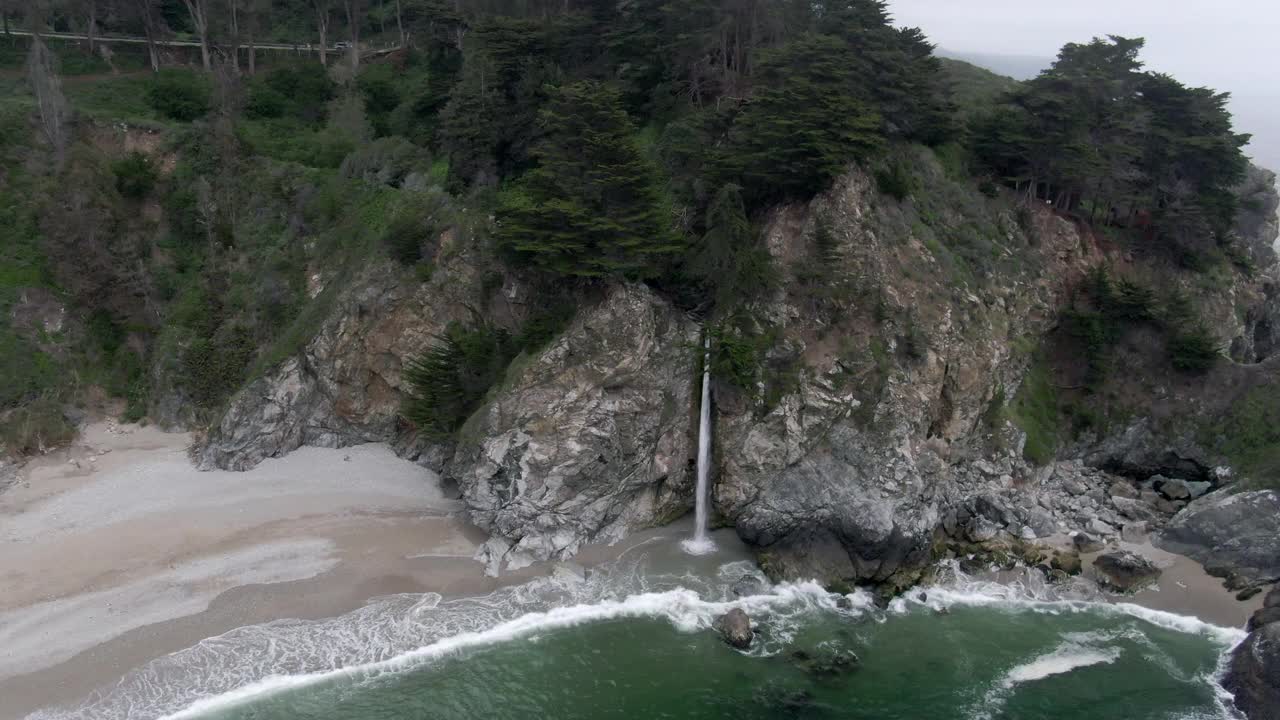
700,544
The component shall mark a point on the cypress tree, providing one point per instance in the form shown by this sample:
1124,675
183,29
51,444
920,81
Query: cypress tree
592,206
730,260
804,126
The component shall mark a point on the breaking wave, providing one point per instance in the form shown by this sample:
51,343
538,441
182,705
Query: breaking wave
401,633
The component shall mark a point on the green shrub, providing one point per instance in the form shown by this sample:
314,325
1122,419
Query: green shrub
954,159
389,161
136,402
1131,302
290,140
738,353
405,237
299,92
896,181
914,343
179,94
451,378
36,427
594,205
264,102
730,261
135,176
381,97
1178,310
1098,335
424,270
1249,435
211,369
545,322
104,331
1035,411
25,371
1195,350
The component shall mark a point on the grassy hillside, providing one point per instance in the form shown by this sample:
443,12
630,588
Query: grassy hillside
976,89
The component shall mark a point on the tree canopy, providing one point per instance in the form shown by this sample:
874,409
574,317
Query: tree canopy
1096,134
592,206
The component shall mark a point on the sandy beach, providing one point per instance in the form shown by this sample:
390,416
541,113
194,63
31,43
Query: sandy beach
117,551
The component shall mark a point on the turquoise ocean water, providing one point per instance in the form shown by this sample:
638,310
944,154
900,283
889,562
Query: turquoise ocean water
634,639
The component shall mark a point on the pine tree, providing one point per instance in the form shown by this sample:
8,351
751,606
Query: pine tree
592,206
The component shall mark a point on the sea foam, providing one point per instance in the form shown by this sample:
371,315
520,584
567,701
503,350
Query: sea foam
403,632
1063,659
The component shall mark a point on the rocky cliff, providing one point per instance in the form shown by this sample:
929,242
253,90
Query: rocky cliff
590,438
847,474
345,385
877,424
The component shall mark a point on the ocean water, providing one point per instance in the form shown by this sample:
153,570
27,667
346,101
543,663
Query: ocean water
635,639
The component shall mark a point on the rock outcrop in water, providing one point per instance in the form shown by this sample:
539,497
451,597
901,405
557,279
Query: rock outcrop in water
735,628
1254,673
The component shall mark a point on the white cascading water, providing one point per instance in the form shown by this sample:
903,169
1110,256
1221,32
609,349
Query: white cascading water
700,544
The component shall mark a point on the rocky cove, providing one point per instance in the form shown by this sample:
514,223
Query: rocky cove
874,444
390,384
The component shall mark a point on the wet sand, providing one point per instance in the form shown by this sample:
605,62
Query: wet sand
1186,589
1183,588
118,551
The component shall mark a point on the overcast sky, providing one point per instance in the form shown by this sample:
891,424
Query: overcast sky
1229,45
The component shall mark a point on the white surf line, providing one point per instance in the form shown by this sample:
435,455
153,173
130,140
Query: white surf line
684,609
1013,598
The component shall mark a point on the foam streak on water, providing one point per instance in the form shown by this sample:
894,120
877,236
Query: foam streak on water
1063,659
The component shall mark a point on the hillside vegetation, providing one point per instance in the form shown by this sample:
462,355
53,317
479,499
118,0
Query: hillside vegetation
195,223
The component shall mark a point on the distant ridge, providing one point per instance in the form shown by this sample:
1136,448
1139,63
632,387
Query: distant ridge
1018,67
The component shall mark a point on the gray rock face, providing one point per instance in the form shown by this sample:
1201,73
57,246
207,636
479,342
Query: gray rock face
588,440
1237,532
1174,489
1136,509
344,387
735,628
748,585
1123,490
847,474
1086,543
1134,532
1253,676
1257,225
1264,616
1126,571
